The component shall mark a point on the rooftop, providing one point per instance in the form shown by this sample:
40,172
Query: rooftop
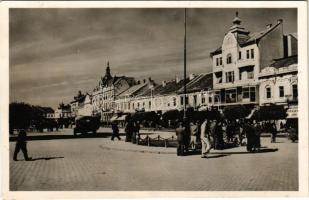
200,82
284,62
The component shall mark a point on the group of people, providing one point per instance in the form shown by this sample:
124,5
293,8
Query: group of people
132,131
216,133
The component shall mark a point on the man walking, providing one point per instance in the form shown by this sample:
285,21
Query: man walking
21,144
205,139
115,131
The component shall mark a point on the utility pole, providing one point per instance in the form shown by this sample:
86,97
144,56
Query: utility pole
185,67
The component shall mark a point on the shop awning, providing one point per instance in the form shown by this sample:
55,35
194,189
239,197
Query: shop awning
114,118
121,118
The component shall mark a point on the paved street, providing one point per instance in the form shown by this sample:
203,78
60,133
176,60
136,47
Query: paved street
98,164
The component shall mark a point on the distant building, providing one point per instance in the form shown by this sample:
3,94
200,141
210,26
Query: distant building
199,91
63,111
104,95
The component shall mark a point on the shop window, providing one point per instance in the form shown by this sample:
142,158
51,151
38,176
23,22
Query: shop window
252,94
230,96
246,93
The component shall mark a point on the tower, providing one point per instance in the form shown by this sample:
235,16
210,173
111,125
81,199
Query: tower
108,71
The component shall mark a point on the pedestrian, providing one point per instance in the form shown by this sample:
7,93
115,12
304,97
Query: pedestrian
129,130
115,131
212,129
136,128
21,144
205,138
193,132
257,131
219,135
180,133
273,132
250,135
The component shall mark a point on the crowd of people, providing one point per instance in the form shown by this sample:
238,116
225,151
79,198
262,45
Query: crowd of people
218,134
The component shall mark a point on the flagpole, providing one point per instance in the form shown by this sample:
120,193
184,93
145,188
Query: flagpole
185,66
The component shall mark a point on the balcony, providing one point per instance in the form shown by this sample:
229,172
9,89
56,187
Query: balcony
246,62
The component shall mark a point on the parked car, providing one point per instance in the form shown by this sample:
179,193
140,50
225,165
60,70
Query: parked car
85,124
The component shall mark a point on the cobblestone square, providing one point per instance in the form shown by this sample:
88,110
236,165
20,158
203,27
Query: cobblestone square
99,164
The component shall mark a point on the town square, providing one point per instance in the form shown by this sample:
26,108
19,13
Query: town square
153,99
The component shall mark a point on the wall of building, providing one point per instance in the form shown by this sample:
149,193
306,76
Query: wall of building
271,47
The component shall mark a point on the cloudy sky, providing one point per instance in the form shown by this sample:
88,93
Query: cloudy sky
56,52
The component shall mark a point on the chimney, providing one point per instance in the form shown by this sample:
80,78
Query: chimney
163,83
177,79
191,76
279,21
269,26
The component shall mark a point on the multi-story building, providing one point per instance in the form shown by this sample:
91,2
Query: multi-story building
241,57
278,82
104,95
131,99
198,91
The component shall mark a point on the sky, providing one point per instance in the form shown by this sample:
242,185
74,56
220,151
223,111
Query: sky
54,53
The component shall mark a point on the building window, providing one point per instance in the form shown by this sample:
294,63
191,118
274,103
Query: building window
217,61
252,53
281,91
209,99
194,100
174,101
181,100
203,99
250,75
149,104
268,92
294,91
229,77
239,55
220,61
248,54
229,59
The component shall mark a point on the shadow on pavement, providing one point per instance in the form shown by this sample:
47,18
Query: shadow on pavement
217,156
46,158
266,150
55,137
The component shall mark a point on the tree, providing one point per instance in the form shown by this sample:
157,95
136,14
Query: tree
20,115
